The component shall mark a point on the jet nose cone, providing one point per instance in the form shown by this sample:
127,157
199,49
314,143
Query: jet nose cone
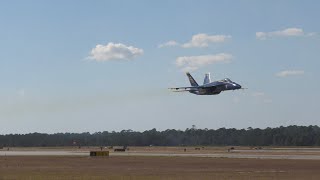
239,86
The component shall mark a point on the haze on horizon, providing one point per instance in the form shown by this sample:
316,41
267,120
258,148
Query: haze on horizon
77,66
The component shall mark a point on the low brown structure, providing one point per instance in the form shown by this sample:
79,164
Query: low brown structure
119,149
99,153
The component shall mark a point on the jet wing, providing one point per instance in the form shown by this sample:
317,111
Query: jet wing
193,88
196,88
185,89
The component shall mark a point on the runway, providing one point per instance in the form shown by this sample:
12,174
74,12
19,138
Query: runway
238,154
224,155
43,153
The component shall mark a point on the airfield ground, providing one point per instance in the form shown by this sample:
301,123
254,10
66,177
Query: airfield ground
141,166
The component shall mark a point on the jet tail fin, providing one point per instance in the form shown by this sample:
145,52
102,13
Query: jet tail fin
207,79
192,81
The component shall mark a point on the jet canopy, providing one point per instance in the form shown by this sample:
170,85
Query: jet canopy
226,80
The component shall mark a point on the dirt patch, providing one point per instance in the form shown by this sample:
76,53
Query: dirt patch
155,168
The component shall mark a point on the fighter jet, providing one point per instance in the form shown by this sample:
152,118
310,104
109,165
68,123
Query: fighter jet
208,87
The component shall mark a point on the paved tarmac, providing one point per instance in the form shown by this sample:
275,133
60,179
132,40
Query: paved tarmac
44,153
213,155
223,155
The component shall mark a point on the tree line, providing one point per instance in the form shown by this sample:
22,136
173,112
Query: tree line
279,136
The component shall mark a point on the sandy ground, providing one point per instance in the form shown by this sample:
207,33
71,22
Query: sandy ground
131,167
161,163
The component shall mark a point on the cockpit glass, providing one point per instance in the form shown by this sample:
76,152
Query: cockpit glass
227,80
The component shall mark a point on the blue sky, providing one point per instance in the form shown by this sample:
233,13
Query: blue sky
91,66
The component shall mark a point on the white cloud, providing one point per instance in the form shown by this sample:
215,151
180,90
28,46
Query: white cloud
113,51
198,40
191,63
289,32
311,34
283,33
289,73
168,44
261,35
203,40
